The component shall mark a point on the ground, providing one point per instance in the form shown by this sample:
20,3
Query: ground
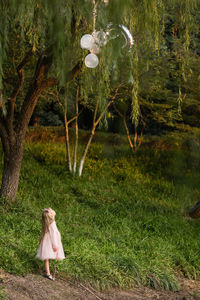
34,286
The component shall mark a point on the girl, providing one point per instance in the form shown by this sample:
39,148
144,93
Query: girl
50,242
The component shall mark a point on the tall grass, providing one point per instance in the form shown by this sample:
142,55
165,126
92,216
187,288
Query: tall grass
123,223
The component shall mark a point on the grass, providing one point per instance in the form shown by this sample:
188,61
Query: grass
3,295
122,223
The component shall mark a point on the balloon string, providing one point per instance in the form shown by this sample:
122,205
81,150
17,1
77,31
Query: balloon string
94,14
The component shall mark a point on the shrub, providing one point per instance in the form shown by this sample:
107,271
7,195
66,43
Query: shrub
48,153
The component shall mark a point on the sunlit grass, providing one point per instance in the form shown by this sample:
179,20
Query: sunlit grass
120,225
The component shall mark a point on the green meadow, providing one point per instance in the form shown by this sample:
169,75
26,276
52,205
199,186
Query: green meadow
123,223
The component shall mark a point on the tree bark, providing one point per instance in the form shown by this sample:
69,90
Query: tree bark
13,146
67,143
76,132
11,169
85,152
67,140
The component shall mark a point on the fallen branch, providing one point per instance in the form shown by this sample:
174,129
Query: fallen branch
87,289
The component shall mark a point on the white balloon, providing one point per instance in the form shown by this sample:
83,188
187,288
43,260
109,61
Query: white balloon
87,41
128,34
100,38
113,32
95,49
91,60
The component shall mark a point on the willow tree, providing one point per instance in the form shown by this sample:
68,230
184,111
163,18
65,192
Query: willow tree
162,63
39,47
34,37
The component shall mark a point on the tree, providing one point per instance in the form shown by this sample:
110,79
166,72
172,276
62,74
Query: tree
165,78
98,102
45,36
16,107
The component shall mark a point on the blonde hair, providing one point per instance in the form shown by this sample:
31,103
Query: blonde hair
47,219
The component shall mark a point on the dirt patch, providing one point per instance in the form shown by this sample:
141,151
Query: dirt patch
37,287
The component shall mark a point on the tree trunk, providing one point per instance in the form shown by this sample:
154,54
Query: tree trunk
76,134
13,138
94,126
75,147
67,143
12,132
11,170
85,152
128,134
126,127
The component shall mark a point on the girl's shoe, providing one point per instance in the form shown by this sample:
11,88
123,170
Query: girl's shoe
50,277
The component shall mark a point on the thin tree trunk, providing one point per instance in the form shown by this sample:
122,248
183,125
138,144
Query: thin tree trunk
76,133
67,140
86,151
137,141
126,127
128,134
95,124
67,143
82,161
135,137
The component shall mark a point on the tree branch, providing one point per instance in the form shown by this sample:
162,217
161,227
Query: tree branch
48,83
125,125
12,99
41,71
75,117
74,72
106,107
25,60
117,110
2,127
60,103
95,113
4,135
40,82
20,73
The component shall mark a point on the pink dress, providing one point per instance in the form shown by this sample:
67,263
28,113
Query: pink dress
52,239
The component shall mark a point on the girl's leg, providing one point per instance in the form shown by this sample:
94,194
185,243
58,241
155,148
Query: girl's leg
46,265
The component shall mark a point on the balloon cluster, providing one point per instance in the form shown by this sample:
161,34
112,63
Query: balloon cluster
93,42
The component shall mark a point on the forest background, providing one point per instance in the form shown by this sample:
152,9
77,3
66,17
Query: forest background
125,218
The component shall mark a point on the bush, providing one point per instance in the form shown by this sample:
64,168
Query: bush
95,151
48,153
